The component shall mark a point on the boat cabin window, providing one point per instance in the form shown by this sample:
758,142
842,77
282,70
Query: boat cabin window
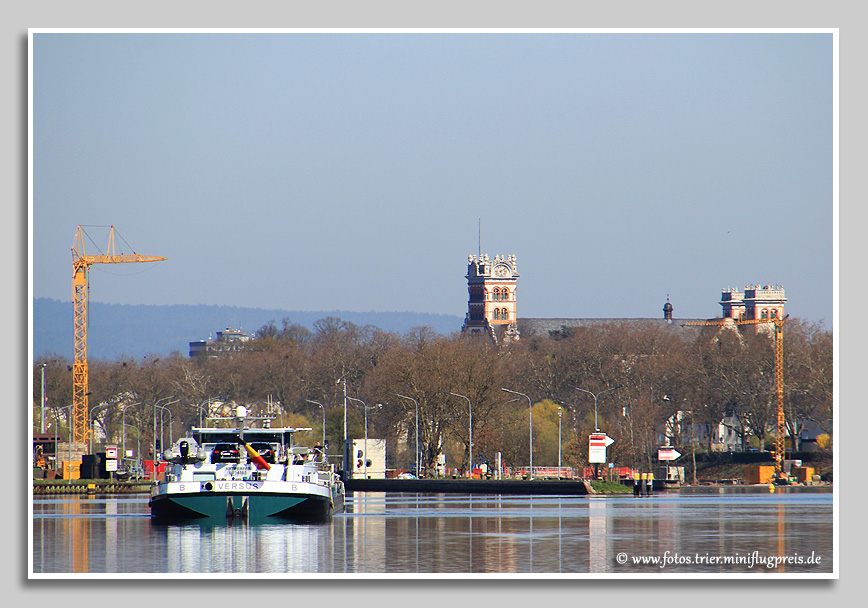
208,438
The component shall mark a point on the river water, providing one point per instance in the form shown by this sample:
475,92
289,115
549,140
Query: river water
713,530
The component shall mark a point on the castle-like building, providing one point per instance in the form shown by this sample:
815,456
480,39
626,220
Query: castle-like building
755,302
491,304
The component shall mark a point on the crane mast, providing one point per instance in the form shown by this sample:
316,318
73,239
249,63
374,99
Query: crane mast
81,263
779,377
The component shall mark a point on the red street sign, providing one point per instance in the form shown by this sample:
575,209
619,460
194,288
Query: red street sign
668,454
600,439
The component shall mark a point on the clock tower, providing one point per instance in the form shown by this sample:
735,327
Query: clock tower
491,306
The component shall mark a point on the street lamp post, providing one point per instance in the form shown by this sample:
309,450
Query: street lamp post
693,441
91,421
470,429
56,439
42,403
417,429
366,433
344,380
124,427
502,424
154,436
323,422
139,449
345,458
596,427
530,407
201,407
560,415
171,421
627,412
68,441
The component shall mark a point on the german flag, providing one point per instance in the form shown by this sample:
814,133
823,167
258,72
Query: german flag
258,460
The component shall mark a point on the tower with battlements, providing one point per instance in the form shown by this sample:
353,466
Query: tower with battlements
491,305
755,302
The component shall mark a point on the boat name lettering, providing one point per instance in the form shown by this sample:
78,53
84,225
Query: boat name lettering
229,486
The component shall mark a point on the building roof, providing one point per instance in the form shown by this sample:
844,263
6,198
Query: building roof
537,327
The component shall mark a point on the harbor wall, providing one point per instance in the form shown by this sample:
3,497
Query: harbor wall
470,486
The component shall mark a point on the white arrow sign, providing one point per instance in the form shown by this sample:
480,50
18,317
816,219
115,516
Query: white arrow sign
667,454
597,444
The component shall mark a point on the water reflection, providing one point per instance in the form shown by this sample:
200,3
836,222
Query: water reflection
413,533
597,553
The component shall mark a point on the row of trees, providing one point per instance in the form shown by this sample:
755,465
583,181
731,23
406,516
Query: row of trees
665,374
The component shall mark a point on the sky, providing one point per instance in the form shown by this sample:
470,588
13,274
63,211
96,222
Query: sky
357,171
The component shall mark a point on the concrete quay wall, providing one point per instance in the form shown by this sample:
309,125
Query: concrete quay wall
471,486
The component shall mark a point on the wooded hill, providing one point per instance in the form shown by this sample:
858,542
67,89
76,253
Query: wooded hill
117,330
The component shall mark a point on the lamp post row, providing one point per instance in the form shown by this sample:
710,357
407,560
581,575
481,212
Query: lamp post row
347,398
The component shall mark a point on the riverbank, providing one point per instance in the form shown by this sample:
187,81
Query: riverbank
728,469
472,486
610,487
722,477
42,487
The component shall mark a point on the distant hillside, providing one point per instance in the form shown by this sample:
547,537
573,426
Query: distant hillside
117,330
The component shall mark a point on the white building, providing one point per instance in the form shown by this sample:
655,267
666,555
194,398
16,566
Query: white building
227,340
755,303
368,458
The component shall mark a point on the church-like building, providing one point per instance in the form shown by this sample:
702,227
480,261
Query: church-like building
491,304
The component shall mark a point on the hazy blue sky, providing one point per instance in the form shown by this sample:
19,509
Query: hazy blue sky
349,170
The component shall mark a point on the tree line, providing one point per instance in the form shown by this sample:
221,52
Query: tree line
671,382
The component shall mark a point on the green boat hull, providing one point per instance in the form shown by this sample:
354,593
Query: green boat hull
253,507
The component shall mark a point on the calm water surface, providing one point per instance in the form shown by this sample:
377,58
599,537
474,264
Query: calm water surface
692,530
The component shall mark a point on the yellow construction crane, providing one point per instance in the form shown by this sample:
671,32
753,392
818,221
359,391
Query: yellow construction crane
80,286
779,376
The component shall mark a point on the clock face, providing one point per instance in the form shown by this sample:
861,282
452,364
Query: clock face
501,271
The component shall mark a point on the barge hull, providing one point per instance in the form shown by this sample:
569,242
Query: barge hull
254,507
